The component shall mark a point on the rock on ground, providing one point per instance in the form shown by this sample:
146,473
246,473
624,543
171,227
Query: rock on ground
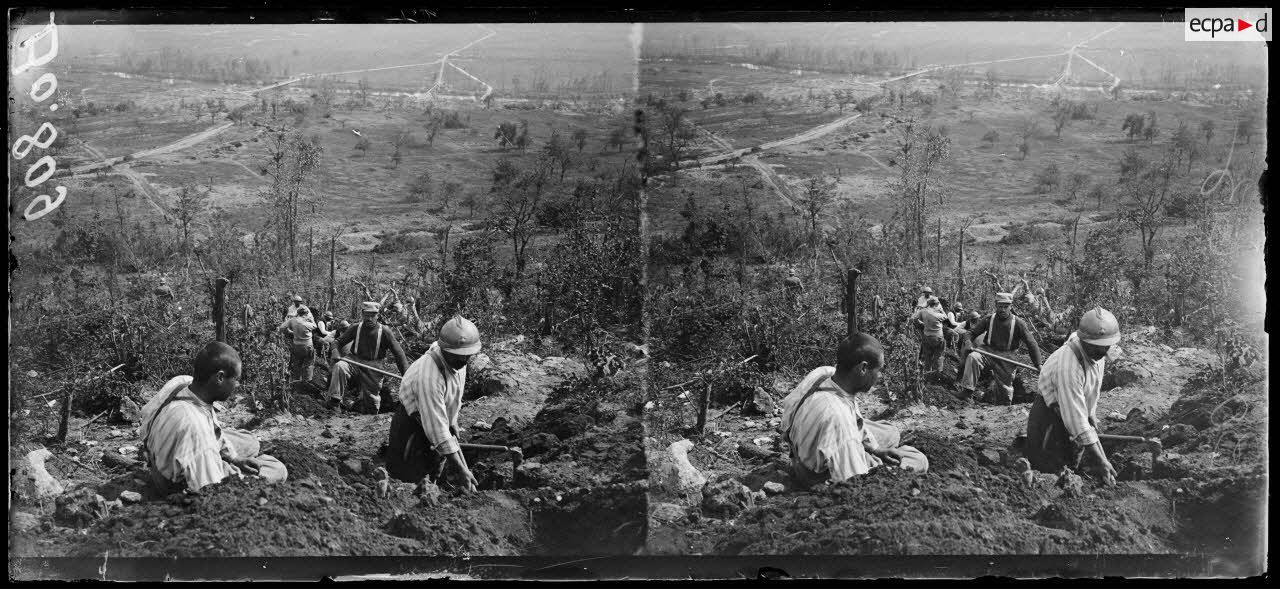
667,512
33,480
674,472
726,498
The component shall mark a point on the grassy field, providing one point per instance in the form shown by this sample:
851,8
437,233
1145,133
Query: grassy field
364,194
990,181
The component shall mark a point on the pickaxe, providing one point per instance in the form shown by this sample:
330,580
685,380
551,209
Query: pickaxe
1002,358
517,455
353,362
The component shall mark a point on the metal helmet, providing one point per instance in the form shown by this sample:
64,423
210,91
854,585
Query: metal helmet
459,336
1099,327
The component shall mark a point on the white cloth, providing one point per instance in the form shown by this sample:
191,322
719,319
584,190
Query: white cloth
824,431
1073,382
183,443
436,395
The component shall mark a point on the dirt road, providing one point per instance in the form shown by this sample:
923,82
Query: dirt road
798,138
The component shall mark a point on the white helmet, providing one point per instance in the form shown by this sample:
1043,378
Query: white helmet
459,336
1099,327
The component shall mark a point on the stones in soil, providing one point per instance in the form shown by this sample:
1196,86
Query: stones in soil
760,403
726,498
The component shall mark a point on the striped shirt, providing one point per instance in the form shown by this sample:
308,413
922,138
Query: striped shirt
184,443
1073,382
825,432
434,391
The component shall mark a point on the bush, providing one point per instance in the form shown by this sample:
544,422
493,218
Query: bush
452,119
1048,179
1019,234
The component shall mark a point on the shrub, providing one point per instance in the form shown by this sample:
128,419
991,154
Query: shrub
1048,179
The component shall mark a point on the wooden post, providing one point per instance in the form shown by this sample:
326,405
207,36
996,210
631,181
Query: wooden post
220,309
702,409
333,264
64,420
851,300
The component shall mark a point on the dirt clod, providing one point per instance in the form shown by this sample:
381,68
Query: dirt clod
726,498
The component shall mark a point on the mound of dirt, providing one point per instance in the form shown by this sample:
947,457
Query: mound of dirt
944,452
301,461
890,511
319,514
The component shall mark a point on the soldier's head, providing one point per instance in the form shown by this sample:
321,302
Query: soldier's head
859,359
369,313
217,370
1004,305
459,340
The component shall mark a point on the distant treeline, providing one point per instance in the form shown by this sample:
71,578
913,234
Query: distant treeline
176,63
797,54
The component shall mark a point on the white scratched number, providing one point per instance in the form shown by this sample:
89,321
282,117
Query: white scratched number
41,90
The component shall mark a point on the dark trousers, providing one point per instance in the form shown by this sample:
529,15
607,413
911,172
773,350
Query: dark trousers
409,454
1048,446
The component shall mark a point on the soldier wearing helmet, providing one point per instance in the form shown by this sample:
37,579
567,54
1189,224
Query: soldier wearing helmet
370,341
1063,416
424,430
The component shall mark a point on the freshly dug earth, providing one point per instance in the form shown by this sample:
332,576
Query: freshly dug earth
979,511
1206,494
584,495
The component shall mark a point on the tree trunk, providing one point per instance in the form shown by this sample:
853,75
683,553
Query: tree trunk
333,265
220,309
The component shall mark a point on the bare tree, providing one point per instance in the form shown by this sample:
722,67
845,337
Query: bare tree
1061,118
818,194
1076,182
1206,128
362,88
618,135
420,187
920,152
676,134
191,203
516,205
580,139
1146,200
1245,128
1028,129
506,134
1133,123
1183,144
559,151
448,190
294,161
